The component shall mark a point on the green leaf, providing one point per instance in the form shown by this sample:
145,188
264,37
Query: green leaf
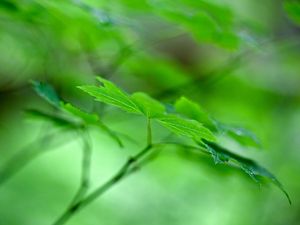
8,4
88,118
150,107
70,115
78,119
209,23
91,119
193,111
292,8
186,127
253,169
47,92
141,103
112,95
239,134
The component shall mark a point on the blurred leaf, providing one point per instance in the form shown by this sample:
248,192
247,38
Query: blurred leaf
101,16
86,117
194,111
71,116
91,119
47,92
239,134
150,107
292,8
8,4
164,75
186,127
221,13
56,120
254,170
207,21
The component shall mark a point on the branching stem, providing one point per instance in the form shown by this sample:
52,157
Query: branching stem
127,168
86,166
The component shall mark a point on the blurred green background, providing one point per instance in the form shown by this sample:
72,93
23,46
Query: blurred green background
239,59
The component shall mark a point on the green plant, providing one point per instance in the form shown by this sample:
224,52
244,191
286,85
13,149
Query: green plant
116,39
194,129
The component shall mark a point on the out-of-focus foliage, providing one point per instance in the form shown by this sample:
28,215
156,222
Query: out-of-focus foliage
238,59
293,10
194,111
70,38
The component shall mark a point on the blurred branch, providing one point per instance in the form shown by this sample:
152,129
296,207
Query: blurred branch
129,167
85,167
212,77
28,153
126,169
126,52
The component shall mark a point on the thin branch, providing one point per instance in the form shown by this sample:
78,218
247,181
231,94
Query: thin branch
132,164
111,133
28,153
126,169
86,167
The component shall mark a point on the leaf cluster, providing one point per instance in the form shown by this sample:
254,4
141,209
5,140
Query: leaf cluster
66,115
189,120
